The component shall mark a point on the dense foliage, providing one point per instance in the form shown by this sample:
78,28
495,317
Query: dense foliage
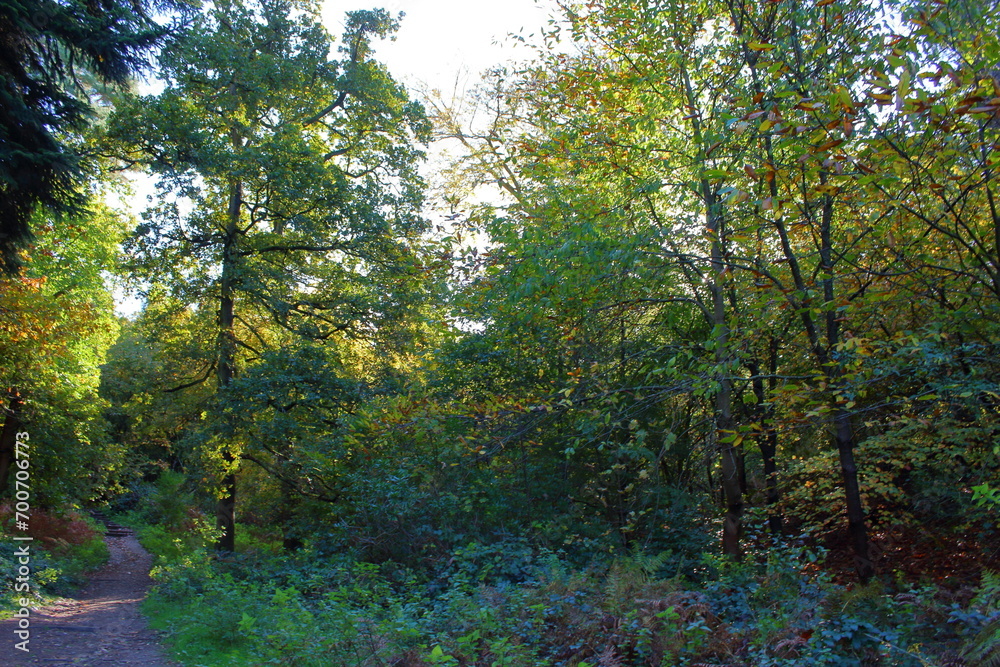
712,378
54,56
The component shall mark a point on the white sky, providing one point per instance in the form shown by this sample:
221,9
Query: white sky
440,40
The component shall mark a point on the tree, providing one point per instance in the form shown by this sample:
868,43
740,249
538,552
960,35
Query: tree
56,324
47,48
608,142
288,184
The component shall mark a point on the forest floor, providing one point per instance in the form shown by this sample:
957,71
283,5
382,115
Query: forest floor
101,625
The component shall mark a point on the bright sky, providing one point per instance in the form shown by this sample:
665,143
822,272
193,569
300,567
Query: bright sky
446,45
440,40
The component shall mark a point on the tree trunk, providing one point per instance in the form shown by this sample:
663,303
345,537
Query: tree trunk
732,527
225,512
768,449
8,436
290,542
843,429
768,443
856,525
226,509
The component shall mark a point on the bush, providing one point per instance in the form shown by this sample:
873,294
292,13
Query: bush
66,545
164,503
45,575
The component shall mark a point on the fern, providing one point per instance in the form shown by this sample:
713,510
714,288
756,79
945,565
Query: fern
609,658
628,575
862,595
989,591
984,649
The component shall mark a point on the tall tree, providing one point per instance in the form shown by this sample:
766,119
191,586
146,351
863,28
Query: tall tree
46,49
288,184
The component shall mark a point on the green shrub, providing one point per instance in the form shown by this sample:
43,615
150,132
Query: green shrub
59,564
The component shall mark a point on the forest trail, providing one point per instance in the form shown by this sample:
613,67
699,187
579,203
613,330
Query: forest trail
101,626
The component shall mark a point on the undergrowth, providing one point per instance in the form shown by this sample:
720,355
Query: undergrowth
536,609
65,546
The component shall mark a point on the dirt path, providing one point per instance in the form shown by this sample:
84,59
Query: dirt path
101,627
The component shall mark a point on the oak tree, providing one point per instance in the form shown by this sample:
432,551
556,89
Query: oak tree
287,184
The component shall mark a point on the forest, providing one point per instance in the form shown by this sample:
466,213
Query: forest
683,350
